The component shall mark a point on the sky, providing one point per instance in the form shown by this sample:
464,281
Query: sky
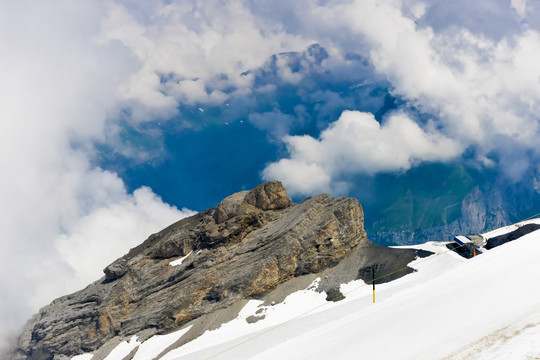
118,118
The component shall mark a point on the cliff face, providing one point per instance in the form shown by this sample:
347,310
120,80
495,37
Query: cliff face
246,247
479,213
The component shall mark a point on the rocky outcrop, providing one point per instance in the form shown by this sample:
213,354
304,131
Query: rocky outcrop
248,246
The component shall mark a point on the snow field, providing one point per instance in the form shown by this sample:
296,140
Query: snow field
447,306
123,349
156,344
450,308
510,228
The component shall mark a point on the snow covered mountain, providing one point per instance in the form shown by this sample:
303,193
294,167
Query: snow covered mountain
486,307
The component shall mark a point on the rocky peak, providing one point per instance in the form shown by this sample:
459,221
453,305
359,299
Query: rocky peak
269,196
229,207
249,246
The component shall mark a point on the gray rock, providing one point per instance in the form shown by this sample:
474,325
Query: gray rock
248,246
115,270
269,196
229,207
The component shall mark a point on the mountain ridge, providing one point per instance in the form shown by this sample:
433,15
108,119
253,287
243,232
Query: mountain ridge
255,244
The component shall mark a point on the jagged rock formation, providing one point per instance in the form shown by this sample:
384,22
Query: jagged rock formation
248,246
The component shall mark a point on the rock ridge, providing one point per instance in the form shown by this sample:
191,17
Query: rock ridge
247,247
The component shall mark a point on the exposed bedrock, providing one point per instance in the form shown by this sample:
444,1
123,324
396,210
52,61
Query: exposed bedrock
254,244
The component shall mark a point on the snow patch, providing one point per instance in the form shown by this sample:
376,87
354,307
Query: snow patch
515,342
157,343
509,228
179,261
274,315
123,349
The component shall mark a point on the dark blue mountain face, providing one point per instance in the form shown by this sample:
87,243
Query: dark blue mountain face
208,152
434,202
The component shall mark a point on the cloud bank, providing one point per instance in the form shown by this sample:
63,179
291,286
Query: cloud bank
62,218
481,88
357,143
192,52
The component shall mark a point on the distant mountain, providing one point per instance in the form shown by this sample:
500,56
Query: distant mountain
433,202
202,270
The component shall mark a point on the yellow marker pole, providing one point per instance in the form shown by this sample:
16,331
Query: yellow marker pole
373,276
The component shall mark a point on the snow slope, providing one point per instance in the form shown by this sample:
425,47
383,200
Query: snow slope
509,228
487,307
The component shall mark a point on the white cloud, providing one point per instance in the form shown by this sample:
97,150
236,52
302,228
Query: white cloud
418,10
274,122
493,19
59,88
93,241
200,44
285,72
357,143
299,176
481,89
520,6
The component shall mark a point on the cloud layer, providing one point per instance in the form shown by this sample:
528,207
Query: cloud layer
192,52
481,87
357,143
60,215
